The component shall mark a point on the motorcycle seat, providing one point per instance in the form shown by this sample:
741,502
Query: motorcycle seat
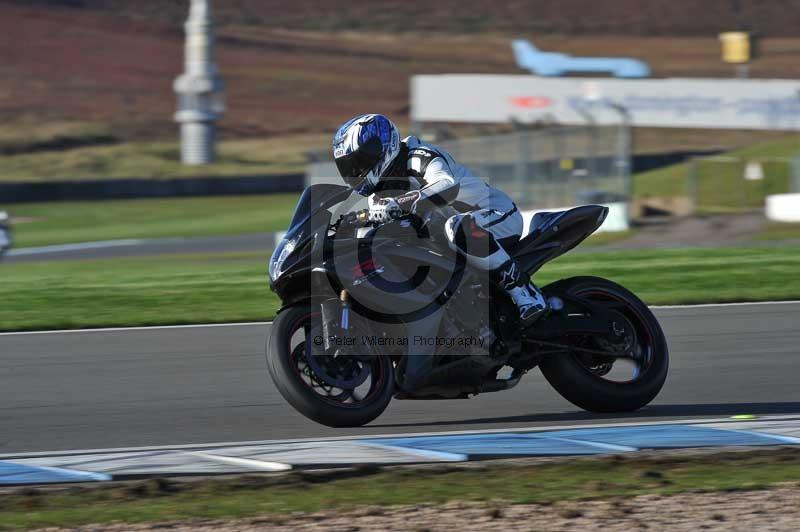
541,220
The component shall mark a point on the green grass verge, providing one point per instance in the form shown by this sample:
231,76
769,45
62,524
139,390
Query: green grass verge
721,186
160,160
607,238
233,287
141,291
691,275
64,222
581,479
40,224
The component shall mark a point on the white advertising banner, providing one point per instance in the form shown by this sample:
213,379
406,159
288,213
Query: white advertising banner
670,102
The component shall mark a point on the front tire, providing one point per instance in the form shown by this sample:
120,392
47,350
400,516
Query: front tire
578,384
295,381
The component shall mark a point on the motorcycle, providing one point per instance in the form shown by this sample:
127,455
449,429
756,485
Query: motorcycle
5,234
375,312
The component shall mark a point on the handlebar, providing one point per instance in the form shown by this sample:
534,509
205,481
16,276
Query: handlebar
355,219
361,219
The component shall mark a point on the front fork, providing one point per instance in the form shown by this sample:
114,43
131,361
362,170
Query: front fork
335,319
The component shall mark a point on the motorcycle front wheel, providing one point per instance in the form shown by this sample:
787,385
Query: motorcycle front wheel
334,390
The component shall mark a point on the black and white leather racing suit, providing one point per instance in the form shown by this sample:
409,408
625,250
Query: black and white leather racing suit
488,221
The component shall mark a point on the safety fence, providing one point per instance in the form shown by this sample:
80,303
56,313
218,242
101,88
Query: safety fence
553,167
538,168
725,184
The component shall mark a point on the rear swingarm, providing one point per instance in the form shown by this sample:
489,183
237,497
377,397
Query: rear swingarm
579,318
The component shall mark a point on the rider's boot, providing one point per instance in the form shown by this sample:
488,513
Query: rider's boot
530,301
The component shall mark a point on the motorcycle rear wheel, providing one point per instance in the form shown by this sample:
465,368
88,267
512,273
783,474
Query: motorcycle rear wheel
296,381
583,385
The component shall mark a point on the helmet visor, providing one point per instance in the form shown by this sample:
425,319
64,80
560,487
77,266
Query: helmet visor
355,166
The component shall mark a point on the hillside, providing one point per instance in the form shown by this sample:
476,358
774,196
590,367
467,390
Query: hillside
618,17
112,63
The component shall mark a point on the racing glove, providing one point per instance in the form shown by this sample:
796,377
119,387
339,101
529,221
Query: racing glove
384,210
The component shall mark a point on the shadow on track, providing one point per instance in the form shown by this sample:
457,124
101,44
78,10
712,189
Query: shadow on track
651,412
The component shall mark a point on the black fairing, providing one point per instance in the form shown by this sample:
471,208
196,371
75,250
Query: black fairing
558,233
315,198
553,234
311,270
309,226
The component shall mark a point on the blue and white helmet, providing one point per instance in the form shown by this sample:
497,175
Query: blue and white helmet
364,149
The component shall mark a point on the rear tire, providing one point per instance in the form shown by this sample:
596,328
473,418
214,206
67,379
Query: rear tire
283,369
581,387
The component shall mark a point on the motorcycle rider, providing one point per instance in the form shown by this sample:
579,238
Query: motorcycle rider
398,175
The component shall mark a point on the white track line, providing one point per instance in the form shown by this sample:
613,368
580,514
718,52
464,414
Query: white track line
150,328
61,248
722,305
101,244
596,444
262,323
249,463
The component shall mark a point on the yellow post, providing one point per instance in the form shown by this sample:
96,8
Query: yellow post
735,46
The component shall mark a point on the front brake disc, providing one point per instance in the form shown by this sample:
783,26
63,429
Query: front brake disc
346,373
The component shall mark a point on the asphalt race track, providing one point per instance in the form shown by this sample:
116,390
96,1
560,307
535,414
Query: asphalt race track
163,386
118,249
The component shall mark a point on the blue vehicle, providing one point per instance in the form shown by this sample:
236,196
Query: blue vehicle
555,64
